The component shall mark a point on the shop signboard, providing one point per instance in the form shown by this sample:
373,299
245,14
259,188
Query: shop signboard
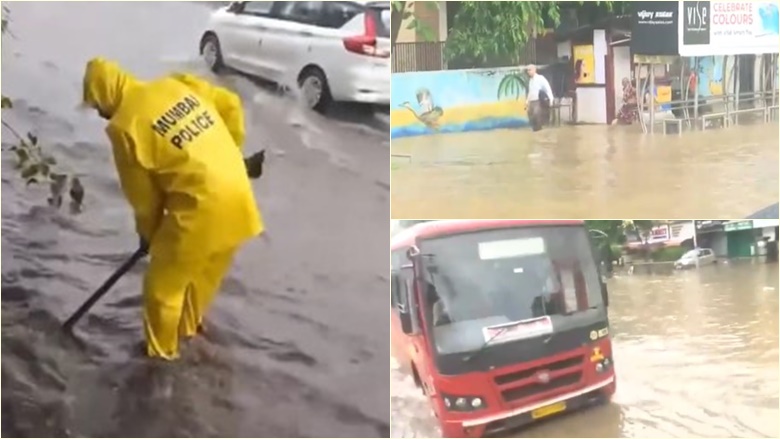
728,27
738,225
706,226
654,28
659,234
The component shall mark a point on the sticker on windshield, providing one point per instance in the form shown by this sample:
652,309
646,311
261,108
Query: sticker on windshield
518,330
511,248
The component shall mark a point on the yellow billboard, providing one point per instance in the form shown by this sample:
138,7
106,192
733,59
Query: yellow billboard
584,65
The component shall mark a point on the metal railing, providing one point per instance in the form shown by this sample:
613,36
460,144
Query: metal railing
418,57
725,109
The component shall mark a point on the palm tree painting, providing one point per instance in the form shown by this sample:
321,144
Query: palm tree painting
513,86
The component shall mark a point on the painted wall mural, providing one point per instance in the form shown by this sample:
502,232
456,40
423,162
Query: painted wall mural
424,103
710,74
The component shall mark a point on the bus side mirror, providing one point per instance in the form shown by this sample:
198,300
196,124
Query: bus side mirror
394,288
412,253
604,294
401,303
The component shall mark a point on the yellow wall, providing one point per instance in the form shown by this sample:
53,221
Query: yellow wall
459,115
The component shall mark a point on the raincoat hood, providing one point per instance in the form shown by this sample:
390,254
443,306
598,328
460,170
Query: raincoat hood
105,84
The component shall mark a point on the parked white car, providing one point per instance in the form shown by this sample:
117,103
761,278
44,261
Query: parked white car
333,51
705,256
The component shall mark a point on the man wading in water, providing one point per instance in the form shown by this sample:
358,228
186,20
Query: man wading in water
538,99
177,148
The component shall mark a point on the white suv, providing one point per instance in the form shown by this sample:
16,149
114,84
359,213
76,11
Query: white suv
333,51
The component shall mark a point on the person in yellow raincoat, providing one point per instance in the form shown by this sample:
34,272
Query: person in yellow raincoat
177,146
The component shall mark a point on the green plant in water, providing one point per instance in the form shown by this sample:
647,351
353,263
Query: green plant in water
33,163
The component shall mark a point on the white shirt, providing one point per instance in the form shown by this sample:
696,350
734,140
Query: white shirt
537,84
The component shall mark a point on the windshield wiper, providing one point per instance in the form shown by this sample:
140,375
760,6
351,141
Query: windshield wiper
471,356
577,311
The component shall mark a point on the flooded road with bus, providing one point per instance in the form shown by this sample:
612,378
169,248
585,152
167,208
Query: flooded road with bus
586,172
696,355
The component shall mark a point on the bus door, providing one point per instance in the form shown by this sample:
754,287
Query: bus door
407,325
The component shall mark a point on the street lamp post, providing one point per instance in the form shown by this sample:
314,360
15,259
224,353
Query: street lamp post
695,244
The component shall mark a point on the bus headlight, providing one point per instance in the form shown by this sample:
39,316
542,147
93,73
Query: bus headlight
463,403
604,365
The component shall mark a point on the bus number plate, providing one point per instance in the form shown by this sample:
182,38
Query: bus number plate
548,410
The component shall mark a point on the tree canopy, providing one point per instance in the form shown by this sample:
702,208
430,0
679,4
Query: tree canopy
615,230
497,30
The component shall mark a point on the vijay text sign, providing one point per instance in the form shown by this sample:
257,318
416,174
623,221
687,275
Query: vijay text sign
728,28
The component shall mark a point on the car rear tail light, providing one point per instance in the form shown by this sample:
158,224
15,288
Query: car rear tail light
366,44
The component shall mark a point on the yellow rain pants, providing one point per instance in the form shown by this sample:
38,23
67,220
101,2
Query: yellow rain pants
177,149
176,296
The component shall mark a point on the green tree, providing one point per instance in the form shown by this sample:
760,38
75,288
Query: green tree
613,229
616,229
401,12
34,164
641,227
496,33
487,31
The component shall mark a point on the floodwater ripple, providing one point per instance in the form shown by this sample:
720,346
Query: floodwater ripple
587,172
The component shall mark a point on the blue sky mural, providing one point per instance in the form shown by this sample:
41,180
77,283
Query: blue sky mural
452,88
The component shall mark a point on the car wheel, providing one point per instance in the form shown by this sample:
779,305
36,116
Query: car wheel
212,53
314,89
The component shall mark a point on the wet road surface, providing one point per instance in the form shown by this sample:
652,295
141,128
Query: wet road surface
696,355
586,172
298,339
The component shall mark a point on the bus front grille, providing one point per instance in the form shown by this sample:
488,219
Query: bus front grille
528,390
528,373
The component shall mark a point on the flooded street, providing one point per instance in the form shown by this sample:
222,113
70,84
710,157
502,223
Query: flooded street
696,355
586,172
294,332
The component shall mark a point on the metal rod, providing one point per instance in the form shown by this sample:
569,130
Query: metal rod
696,91
773,72
100,292
651,67
406,156
640,94
695,243
728,76
737,88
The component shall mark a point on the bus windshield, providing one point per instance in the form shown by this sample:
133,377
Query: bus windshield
502,285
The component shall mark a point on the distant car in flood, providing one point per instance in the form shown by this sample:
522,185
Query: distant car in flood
705,256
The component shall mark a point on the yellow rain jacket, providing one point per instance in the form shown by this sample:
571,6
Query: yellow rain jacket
177,146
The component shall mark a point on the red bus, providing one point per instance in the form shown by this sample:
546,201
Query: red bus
500,322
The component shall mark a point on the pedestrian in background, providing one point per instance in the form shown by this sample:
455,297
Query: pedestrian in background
538,99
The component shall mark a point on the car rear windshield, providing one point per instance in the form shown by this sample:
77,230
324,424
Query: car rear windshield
337,14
